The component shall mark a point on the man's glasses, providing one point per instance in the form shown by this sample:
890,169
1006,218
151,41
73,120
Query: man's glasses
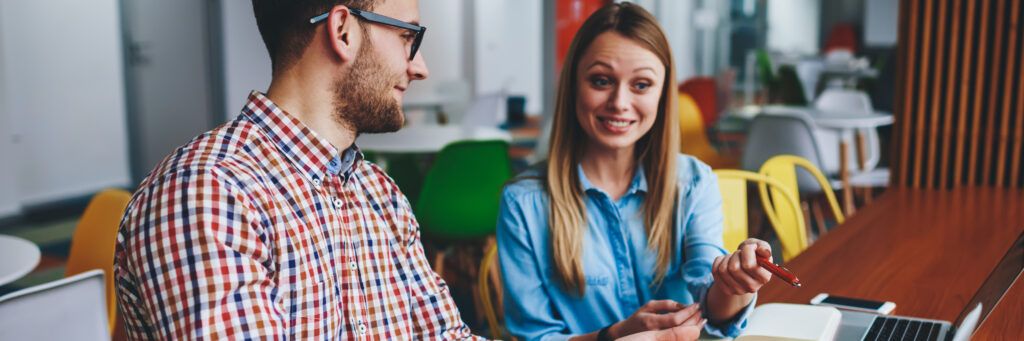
384,20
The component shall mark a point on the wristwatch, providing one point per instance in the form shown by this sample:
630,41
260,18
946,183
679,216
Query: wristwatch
602,335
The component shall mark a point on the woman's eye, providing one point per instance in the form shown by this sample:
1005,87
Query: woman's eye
600,81
642,86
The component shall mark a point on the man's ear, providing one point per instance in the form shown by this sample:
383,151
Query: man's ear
344,33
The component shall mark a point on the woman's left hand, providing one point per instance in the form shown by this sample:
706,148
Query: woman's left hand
738,273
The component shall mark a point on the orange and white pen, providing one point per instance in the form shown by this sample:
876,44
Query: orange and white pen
779,271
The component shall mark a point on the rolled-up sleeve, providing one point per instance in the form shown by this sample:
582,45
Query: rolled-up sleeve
703,242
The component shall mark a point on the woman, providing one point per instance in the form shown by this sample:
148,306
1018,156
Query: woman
618,233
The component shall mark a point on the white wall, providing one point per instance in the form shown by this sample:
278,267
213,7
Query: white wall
64,89
247,65
793,25
508,48
8,171
880,22
444,50
246,62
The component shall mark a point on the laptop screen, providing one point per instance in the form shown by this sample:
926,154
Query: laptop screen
998,281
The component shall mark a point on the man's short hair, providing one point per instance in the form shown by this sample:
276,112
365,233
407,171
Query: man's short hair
285,28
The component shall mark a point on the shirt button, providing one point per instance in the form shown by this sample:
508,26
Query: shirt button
362,329
352,265
316,182
338,203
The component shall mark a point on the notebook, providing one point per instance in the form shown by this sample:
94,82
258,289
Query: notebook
783,321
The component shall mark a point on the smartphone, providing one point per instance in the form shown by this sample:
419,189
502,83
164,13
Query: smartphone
884,308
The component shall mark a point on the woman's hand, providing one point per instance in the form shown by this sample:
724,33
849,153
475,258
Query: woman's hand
656,316
686,332
738,273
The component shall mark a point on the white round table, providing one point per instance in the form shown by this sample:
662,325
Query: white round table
17,258
426,138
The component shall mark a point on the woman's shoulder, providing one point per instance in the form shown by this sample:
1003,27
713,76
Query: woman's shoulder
528,185
689,168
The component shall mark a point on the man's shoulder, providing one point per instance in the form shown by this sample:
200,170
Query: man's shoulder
226,150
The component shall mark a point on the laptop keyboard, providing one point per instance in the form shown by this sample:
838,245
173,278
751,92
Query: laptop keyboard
889,328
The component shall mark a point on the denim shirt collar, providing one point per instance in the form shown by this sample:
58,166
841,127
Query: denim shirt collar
639,183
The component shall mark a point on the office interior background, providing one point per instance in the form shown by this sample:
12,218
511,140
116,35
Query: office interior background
93,94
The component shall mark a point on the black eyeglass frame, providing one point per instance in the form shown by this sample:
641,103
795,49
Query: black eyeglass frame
384,20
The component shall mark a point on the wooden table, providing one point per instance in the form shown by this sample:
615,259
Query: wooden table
926,250
17,258
1008,317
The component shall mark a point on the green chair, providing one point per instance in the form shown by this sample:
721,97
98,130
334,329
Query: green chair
459,198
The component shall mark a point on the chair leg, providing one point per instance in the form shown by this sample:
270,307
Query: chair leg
819,217
439,263
844,175
866,193
807,221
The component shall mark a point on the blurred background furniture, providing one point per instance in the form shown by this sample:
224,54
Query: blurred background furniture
92,245
73,308
17,258
784,168
733,186
694,137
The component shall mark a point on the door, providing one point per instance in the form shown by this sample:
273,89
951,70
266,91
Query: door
170,76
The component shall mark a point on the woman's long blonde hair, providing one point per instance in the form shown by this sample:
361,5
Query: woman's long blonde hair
656,150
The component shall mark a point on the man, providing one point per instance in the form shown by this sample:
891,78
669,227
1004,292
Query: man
272,226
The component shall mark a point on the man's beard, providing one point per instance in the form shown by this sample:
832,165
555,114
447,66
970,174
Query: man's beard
363,99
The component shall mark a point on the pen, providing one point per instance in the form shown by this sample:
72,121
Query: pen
779,271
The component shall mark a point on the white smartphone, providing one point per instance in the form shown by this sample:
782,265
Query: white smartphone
883,308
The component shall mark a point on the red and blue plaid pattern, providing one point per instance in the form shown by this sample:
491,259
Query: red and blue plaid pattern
259,229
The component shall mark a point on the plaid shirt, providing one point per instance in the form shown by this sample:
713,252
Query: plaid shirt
261,229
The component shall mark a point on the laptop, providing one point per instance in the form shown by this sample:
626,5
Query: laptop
857,325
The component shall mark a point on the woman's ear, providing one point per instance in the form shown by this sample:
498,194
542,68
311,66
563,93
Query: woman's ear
344,33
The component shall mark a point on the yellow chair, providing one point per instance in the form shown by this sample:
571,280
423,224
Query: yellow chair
733,186
694,138
488,273
783,168
92,245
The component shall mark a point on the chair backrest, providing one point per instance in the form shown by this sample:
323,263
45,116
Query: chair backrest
733,185
778,133
72,308
492,306
92,245
783,168
461,191
841,37
844,100
704,92
848,100
694,137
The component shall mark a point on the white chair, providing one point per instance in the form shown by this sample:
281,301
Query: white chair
850,101
785,132
72,308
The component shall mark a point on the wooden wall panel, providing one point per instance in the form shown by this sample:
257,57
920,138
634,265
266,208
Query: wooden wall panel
959,109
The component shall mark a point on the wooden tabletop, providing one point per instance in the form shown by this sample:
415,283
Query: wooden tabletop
1008,317
926,250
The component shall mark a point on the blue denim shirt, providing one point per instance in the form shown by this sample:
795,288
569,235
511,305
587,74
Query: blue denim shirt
618,266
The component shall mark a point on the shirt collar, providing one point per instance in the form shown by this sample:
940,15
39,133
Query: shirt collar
639,183
315,156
